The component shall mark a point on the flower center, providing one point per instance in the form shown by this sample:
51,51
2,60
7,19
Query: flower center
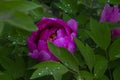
52,36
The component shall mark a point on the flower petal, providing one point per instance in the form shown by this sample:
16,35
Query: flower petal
71,46
115,32
42,45
73,24
105,13
62,42
44,56
115,15
44,34
61,33
31,41
34,54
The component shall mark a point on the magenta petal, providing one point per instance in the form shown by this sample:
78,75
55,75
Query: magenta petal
34,54
71,47
44,56
115,32
43,23
44,34
105,13
61,42
31,45
61,33
31,41
115,15
42,45
72,24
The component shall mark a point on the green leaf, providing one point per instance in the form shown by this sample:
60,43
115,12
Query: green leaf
68,6
5,50
86,75
22,21
87,53
64,56
38,13
4,76
109,1
114,50
114,1
100,66
49,68
100,33
103,1
1,27
116,73
13,68
10,6
89,3
104,78
15,35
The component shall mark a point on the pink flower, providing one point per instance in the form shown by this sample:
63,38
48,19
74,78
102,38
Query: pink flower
54,30
110,14
115,32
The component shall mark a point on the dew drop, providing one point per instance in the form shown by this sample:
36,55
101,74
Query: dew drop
46,68
39,73
54,70
68,5
51,73
117,56
108,1
9,36
60,7
13,42
66,64
95,75
58,67
65,11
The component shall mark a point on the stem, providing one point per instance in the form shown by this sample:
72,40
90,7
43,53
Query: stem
110,73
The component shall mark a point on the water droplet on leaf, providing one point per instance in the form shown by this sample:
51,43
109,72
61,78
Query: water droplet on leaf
39,73
68,5
13,42
9,36
46,68
51,73
58,67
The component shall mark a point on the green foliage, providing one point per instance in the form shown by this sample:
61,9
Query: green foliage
14,68
68,6
64,56
4,76
114,51
11,6
49,68
116,73
86,75
100,66
87,53
100,33
1,27
97,55
21,20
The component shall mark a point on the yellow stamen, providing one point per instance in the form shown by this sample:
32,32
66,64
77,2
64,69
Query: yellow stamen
52,36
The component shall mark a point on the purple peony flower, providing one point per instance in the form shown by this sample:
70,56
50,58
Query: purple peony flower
54,30
115,32
110,14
